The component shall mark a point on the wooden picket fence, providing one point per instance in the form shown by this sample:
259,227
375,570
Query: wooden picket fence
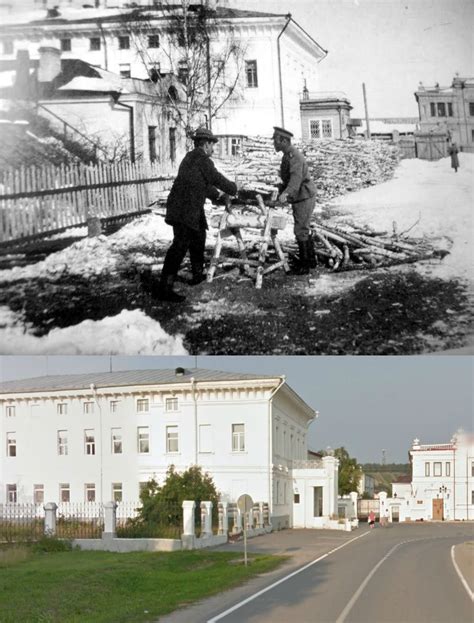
37,201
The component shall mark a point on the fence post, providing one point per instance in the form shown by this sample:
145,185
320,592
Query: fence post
353,495
223,518
382,504
206,519
187,538
94,226
237,521
50,518
110,520
260,515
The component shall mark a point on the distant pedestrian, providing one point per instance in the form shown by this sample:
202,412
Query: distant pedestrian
371,519
453,151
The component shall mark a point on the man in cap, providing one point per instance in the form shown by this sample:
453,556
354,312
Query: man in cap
299,190
197,179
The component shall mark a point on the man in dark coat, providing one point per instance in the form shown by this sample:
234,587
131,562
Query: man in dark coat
453,152
197,179
298,189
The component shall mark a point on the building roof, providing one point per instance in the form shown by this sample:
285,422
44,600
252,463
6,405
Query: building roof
125,378
405,479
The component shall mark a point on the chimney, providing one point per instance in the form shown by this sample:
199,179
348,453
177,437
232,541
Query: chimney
49,64
179,371
22,88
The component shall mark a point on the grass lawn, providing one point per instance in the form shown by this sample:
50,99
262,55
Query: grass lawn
78,586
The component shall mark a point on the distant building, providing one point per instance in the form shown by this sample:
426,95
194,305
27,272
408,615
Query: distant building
448,111
98,437
325,115
366,485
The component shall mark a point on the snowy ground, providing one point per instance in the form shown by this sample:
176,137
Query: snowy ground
428,197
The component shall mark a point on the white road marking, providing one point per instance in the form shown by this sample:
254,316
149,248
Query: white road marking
287,577
461,577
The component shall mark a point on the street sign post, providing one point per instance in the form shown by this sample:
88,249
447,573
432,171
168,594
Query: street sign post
245,505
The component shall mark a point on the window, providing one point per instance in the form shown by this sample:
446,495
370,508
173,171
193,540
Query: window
117,492
472,469
143,439
172,441
327,128
441,109
11,444
11,494
471,109
94,44
124,70
62,442
88,407
427,469
235,145
450,109
89,491
317,501
183,72
64,492
433,109
238,437
38,494
472,497
154,72
152,142
251,74
10,411
173,144
171,404
142,405
153,41
116,440
205,438
65,45
448,469
436,469
314,128
89,442
113,405
297,498
124,43
61,408
8,47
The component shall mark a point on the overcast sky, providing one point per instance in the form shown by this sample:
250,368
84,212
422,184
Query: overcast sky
367,404
389,44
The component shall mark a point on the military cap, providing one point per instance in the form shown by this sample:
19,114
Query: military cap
282,132
206,134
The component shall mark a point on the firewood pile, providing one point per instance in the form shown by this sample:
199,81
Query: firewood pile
337,167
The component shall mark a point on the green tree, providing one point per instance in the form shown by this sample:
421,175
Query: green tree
167,499
350,471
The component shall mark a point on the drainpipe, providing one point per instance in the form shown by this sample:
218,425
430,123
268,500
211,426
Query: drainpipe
101,467
104,41
193,391
131,125
270,444
282,114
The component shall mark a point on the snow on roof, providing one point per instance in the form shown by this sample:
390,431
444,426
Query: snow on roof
84,83
381,127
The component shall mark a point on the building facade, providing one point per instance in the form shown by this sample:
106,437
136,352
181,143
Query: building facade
276,55
448,111
442,483
95,438
325,115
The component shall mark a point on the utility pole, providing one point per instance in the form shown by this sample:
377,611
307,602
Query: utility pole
366,111
383,456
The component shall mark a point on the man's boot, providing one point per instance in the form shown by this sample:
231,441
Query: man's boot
302,268
165,290
197,278
312,259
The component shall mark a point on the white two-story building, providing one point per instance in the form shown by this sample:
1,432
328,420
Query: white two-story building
97,437
442,484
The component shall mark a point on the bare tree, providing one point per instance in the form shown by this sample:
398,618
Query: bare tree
206,68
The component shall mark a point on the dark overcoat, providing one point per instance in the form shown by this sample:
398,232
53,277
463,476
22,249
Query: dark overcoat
197,179
296,178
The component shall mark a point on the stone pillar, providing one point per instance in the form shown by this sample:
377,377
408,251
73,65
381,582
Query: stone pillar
206,519
353,496
94,226
110,520
223,519
261,522
237,521
330,464
50,518
188,518
382,504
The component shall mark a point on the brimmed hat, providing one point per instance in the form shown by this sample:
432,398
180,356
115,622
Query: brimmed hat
206,134
282,132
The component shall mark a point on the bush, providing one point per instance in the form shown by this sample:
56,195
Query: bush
52,544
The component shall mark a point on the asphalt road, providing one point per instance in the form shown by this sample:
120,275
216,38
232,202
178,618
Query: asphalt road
400,574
